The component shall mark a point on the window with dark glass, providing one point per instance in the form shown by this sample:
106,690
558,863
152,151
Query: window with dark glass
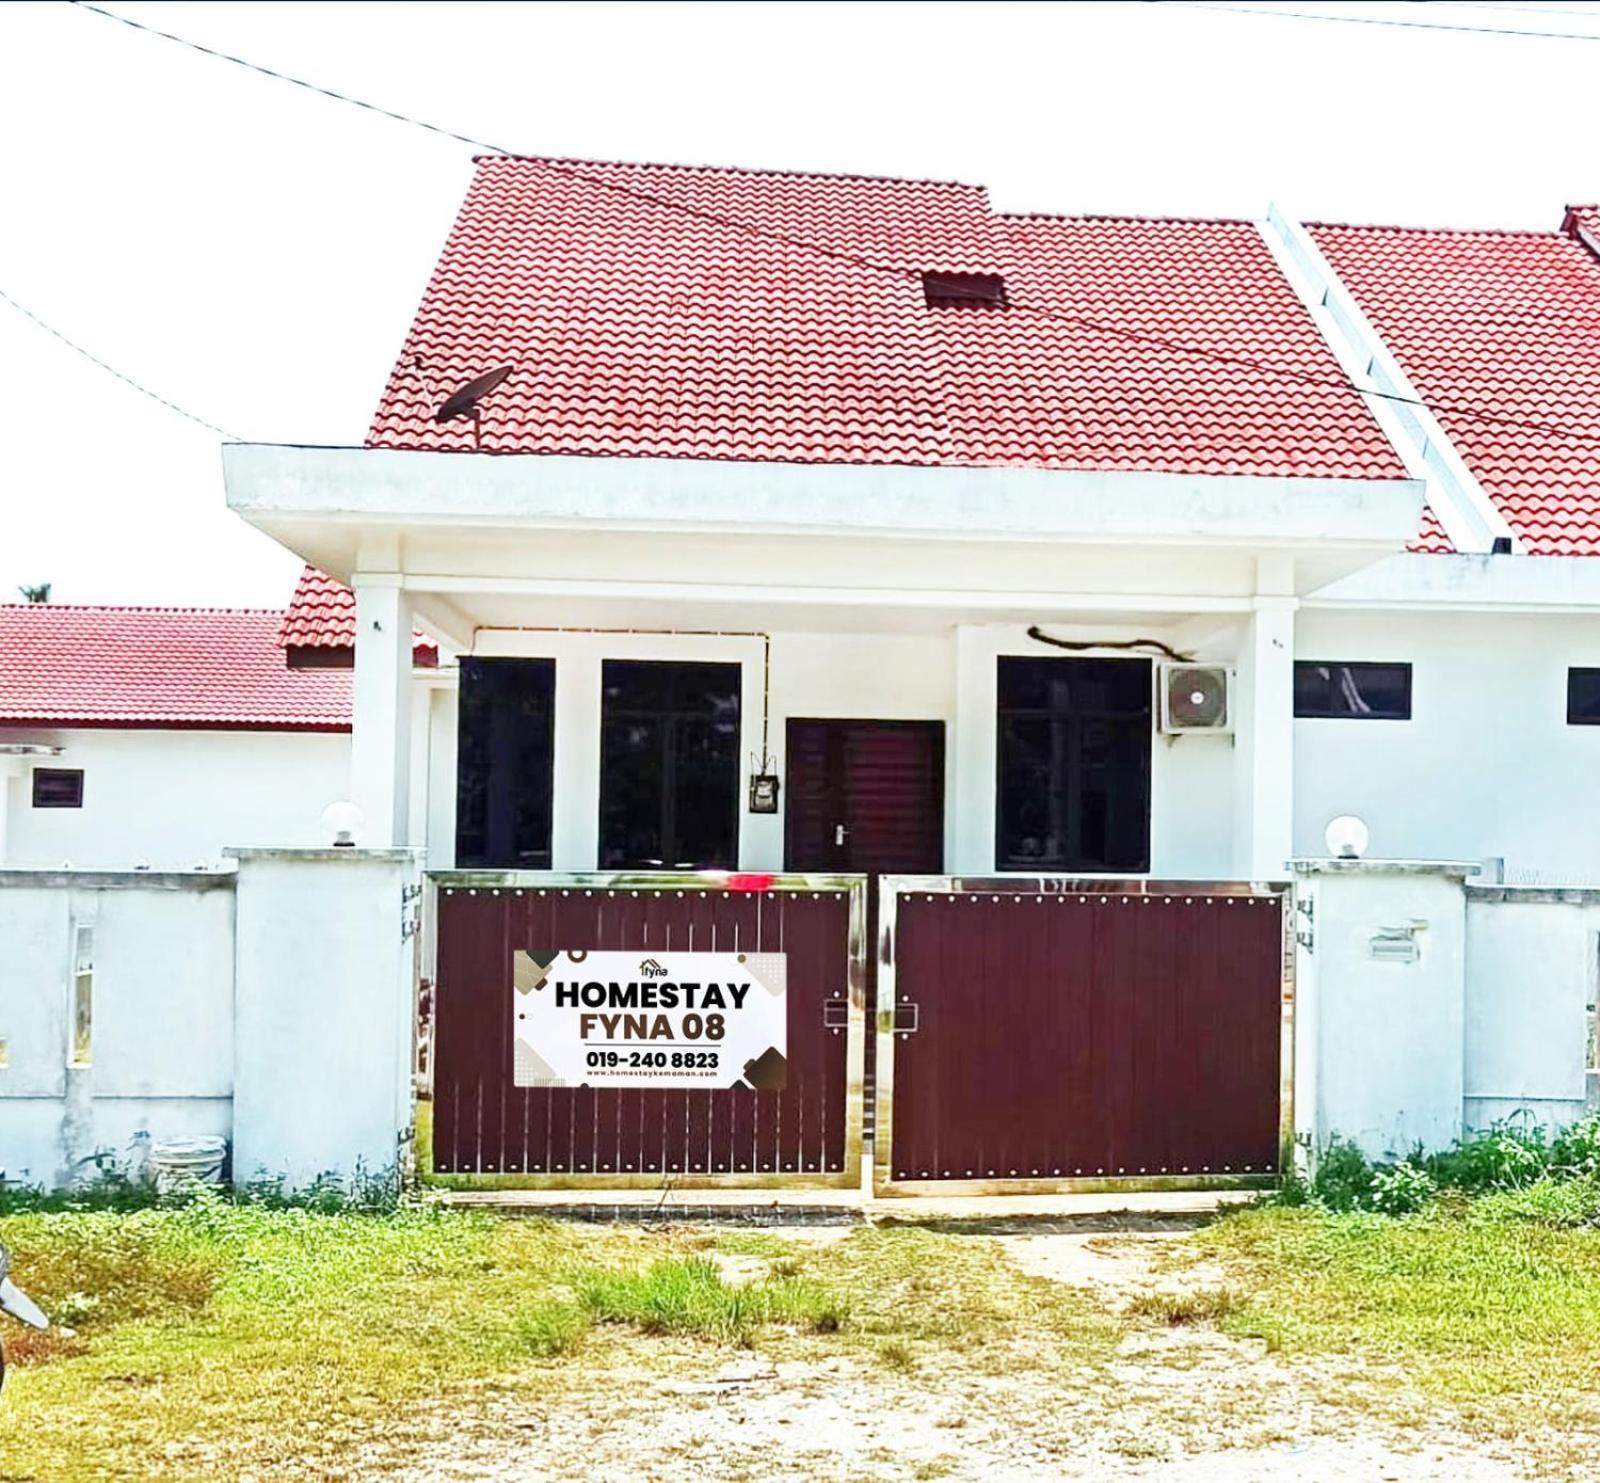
1583,697
669,765
505,763
1354,691
58,787
1073,752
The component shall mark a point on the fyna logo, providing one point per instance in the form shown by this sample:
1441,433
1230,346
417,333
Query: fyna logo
651,969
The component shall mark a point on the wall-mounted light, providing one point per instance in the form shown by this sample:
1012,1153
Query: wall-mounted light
343,823
1346,837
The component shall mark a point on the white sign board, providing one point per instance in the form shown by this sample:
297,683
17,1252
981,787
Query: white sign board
650,1019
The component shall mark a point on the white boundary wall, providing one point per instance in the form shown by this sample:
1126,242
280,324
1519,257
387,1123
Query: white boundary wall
273,1006
1428,1008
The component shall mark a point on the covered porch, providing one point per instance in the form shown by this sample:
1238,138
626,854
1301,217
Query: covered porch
658,659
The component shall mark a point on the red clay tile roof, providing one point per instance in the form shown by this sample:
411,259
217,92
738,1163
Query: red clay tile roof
185,668
1506,322
322,615
638,329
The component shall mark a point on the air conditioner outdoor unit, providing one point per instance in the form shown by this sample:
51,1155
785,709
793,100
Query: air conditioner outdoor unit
1196,697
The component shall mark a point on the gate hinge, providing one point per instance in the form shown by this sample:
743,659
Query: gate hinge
1306,936
836,1014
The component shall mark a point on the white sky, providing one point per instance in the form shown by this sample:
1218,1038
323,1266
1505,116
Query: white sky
255,252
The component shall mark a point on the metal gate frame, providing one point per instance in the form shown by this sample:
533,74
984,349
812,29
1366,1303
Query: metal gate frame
744,882
890,888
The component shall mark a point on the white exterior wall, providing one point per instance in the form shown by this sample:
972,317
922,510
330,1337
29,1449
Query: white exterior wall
1486,767
174,798
947,676
162,1039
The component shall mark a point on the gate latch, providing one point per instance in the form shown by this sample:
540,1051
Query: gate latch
836,1014
903,1019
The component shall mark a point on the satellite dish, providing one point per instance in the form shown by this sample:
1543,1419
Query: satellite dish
464,403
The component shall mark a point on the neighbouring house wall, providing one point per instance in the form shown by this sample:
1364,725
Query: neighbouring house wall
173,798
161,1015
1487,766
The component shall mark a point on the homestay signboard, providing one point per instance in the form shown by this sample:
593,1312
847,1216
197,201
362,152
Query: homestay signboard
649,1019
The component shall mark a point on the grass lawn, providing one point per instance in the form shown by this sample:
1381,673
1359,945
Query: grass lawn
1490,1305
221,1341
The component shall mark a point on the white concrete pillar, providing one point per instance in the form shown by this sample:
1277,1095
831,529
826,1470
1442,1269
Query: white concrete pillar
324,1010
970,753
1263,831
1380,1003
8,770
575,816
380,746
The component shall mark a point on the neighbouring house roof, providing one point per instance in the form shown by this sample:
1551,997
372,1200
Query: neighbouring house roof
1500,334
184,668
672,312
322,615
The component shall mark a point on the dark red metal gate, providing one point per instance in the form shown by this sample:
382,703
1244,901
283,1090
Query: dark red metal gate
1050,1031
809,1132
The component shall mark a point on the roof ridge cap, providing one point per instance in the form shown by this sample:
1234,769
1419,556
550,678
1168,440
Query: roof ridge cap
1386,226
136,607
705,169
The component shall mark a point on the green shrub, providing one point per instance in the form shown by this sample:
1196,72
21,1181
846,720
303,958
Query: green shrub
1342,1178
1401,1189
1505,1157
1575,1151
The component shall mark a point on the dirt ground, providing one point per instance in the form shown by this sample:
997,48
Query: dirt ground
1180,1403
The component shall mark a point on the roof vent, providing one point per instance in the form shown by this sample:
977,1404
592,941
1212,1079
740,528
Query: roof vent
963,290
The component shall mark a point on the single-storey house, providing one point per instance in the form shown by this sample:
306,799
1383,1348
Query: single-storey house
851,609
832,522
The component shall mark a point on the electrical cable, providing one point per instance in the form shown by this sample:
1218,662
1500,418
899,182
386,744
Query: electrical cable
121,376
589,177
1373,20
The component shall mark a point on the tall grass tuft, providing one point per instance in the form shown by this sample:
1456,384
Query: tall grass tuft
686,1295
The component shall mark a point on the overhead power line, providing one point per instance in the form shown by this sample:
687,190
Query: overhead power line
1373,20
122,376
299,82
822,249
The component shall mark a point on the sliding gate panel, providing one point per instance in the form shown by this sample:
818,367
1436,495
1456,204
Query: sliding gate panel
807,1132
1058,1032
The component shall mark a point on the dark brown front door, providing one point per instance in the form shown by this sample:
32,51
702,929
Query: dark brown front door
866,796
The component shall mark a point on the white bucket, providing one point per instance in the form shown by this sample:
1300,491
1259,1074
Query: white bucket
179,1163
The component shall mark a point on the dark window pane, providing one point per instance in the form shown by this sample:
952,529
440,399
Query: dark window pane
505,761
1583,697
1073,751
669,765
58,787
1359,691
